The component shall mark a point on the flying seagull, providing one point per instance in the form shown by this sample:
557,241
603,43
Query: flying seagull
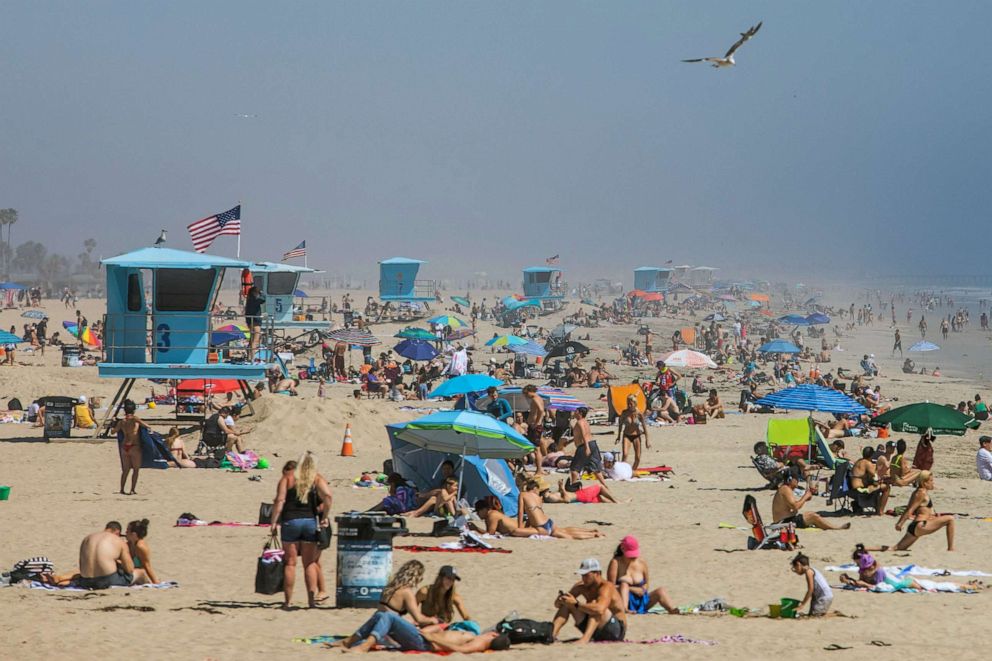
243,115
728,59
160,241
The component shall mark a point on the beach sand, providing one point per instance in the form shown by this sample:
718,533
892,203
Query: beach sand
62,491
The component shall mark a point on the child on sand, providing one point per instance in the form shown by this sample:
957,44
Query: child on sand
819,596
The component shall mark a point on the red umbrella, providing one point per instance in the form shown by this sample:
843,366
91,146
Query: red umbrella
208,385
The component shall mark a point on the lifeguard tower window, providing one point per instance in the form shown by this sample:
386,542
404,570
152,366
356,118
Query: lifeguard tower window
281,284
183,290
134,293
544,276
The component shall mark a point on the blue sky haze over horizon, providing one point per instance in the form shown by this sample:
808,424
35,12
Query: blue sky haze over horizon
850,137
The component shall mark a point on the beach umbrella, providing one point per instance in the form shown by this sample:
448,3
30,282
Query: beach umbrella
11,285
689,359
505,341
229,333
652,297
416,350
447,320
923,346
529,349
917,418
817,318
466,383
87,336
716,316
554,398
9,338
466,433
566,349
411,333
587,301
512,304
811,397
354,336
34,314
561,330
794,320
636,293
299,293
461,300
779,346
210,386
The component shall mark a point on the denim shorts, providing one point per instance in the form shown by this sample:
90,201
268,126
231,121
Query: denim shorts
298,530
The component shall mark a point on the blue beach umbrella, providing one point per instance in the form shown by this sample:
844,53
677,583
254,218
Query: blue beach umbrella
9,338
462,301
817,318
11,285
811,397
299,293
447,320
794,320
505,341
465,433
466,383
529,349
415,334
34,314
416,350
923,346
779,346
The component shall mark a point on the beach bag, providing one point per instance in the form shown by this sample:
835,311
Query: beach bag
526,631
323,535
269,568
14,405
265,514
30,569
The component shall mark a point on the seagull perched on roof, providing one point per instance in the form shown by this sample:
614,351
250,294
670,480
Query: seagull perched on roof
728,59
160,241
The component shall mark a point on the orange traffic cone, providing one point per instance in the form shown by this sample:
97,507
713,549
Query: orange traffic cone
347,449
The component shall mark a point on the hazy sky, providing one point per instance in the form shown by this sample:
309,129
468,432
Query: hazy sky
488,136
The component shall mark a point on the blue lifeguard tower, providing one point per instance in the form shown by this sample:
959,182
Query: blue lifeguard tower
166,335
545,284
398,281
279,284
652,278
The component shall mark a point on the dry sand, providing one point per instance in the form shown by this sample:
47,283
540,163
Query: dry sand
62,491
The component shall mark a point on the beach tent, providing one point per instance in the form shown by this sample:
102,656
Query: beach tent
779,346
480,477
616,397
154,452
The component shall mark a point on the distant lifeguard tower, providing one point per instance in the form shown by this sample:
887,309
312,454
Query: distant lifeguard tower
702,276
398,282
279,283
545,284
652,278
166,336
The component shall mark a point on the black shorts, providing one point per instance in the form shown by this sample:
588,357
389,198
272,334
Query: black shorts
613,631
120,578
797,520
251,322
591,461
534,433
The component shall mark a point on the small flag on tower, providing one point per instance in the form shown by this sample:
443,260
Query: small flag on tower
203,232
298,251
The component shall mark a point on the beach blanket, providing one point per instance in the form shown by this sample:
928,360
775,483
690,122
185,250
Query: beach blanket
321,640
197,523
35,585
913,570
456,547
677,639
244,461
928,586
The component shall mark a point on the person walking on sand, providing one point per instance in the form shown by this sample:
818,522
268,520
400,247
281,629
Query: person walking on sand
632,428
923,327
897,343
130,449
535,425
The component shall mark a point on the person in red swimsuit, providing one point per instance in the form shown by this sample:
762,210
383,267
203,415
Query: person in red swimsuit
130,427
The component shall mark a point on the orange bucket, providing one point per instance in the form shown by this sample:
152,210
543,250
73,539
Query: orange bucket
883,432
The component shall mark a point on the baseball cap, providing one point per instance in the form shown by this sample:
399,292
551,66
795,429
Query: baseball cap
608,456
866,561
589,565
630,546
448,571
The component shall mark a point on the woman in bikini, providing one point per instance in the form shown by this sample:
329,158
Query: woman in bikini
490,510
632,429
630,574
140,553
924,520
400,594
864,476
130,426
178,449
529,505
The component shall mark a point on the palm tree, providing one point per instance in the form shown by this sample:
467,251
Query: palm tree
7,219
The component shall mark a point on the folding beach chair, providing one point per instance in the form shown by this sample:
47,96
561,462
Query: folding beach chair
788,438
840,488
781,536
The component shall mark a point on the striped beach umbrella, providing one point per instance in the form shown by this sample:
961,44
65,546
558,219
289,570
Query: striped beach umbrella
353,336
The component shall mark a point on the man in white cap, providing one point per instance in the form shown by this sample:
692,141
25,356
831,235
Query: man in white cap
600,615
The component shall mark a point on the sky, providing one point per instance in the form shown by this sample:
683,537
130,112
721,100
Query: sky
851,137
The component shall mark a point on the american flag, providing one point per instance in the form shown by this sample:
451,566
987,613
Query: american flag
298,251
552,261
203,232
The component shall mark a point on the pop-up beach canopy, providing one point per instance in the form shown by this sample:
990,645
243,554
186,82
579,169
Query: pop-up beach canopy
479,477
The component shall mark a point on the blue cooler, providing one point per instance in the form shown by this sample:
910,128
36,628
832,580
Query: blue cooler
365,557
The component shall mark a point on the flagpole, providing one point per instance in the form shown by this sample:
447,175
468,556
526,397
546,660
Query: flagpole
239,234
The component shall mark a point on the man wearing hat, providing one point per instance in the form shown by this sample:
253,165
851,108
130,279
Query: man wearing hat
984,459
600,615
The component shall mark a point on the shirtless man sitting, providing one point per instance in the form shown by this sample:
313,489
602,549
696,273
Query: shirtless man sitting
601,615
713,405
104,560
785,507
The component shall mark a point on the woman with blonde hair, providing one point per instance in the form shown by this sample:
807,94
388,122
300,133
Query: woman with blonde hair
399,595
441,599
925,520
295,516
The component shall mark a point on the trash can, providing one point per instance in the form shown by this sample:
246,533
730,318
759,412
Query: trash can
58,416
70,355
365,557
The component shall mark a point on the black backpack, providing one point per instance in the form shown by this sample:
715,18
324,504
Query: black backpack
14,405
526,631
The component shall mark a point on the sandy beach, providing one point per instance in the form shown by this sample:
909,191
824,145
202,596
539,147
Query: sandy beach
62,491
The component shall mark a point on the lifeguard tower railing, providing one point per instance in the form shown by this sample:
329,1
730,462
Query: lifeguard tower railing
422,290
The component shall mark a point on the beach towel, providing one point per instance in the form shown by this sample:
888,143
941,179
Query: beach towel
674,639
154,452
35,585
321,640
928,586
454,548
197,523
243,461
913,570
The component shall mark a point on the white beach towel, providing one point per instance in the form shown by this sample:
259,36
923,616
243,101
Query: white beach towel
914,570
